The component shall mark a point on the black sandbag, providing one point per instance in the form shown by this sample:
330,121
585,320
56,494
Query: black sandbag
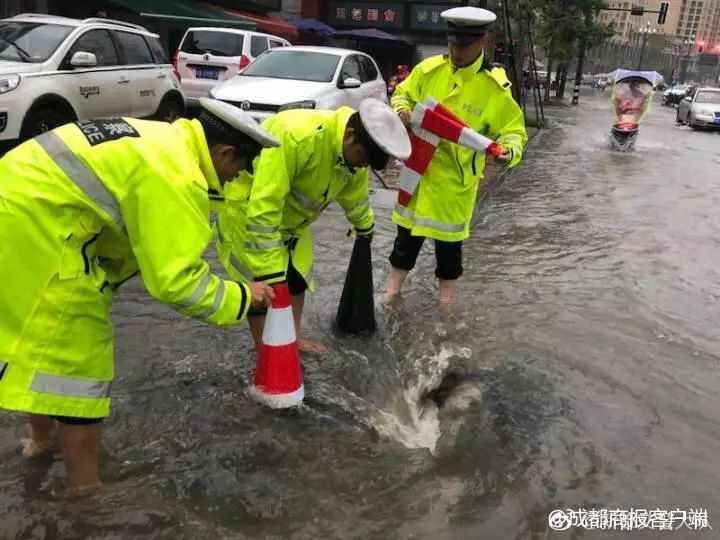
356,312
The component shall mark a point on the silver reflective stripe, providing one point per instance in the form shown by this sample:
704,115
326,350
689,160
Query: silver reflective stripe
219,293
429,223
306,203
361,202
262,229
263,245
3,365
219,231
83,176
359,210
69,386
198,294
404,211
308,277
240,268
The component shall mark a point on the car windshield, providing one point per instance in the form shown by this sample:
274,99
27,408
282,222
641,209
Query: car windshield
708,97
29,41
217,43
296,65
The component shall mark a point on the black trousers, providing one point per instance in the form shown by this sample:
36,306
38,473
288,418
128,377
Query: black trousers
448,255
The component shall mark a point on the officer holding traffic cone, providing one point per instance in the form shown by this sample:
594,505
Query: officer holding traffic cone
83,208
477,93
324,156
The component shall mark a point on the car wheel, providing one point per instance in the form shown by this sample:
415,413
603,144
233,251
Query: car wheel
42,120
170,109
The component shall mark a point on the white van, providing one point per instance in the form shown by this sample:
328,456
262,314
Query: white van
209,56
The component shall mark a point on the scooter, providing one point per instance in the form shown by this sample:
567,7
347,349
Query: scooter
631,98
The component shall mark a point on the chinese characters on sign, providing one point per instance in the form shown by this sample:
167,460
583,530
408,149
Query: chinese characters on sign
366,14
427,17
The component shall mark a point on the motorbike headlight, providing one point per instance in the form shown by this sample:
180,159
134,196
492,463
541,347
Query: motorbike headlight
307,104
9,82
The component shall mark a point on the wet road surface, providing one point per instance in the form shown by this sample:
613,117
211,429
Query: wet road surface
586,340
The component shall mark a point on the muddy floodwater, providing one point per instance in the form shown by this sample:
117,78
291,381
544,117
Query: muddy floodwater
583,356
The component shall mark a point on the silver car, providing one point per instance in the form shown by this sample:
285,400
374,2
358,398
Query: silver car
700,109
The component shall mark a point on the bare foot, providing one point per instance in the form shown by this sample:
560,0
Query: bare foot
312,347
32,448
386,299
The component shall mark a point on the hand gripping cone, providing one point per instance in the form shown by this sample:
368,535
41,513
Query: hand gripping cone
278,375
441,122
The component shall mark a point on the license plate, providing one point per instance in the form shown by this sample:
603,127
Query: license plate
207,74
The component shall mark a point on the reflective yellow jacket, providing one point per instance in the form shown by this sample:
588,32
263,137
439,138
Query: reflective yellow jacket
127,195
443,202
291,186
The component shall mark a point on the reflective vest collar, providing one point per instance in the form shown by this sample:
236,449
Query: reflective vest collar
192,132
473,69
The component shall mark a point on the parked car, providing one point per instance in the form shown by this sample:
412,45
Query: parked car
55,70
673,96
208,56
700,109
303,78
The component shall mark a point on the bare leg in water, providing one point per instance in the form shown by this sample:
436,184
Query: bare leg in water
43,437
79,444
396,280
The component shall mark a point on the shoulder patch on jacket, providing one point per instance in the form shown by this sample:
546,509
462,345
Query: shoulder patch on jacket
432,63
498,75
106,129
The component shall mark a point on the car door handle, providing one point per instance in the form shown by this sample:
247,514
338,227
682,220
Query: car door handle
162,76
123,81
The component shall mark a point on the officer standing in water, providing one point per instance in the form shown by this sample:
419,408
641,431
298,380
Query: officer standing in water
441,208
83,208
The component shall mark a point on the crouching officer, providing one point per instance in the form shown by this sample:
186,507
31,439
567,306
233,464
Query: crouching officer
324,156
442,205
82,209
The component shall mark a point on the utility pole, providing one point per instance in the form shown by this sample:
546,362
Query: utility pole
581,58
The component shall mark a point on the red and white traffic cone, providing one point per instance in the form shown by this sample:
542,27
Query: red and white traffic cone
440,121
424,145
278,375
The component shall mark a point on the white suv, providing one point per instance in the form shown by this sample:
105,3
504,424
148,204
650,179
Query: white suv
208,56
55,70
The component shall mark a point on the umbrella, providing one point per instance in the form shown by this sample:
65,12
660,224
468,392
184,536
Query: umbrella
313,25
653,77
367,33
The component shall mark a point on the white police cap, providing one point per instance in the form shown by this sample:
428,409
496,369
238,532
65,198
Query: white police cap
468,16
385,128
238,120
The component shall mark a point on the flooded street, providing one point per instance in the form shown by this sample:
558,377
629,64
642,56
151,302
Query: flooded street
585,347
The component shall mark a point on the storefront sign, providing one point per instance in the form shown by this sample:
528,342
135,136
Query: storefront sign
366,14
427,17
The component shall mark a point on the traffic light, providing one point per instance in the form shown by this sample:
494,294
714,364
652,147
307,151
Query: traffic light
663,12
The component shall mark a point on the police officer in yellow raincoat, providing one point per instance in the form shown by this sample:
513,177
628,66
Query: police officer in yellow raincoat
82,209
442,205
264,234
